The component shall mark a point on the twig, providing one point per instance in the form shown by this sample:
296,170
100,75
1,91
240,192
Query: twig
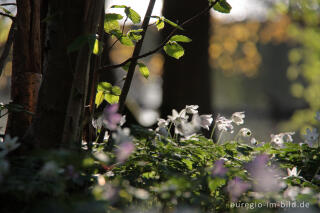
7,47
135,54
110,67
8,4
124,23
6,15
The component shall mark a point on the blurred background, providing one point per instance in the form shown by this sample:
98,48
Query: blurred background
262,58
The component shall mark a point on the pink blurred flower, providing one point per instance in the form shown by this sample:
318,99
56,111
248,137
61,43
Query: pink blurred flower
236,187
124,151
219,169
111,117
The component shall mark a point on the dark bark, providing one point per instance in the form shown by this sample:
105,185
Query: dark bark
75,113
67,21
187,81
26,65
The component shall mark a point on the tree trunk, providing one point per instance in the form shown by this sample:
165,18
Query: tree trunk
65,76
187,81
26,65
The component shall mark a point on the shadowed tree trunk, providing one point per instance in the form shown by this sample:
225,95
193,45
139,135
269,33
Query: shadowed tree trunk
26,65
62,95
187,81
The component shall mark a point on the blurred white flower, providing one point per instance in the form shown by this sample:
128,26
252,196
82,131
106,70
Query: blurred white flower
245,132
162,123
277,139
253,141
186,129
205,121
122,135
50,169
178,117
224,124
291,192
9,144
317,117
97,123
238,118
101,156
123,120
311,137
293,173
280,138
192,109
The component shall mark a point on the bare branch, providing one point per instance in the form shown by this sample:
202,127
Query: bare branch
8,4
7,47
6,15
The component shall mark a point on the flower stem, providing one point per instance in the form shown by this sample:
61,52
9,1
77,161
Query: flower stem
212,131
219,137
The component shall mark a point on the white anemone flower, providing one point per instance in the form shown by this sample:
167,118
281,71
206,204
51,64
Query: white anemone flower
311,137
178,117
281,138
192,109
238,118
122,135
224,124
293,172
277,139
203,121
245,132
9,144
162,123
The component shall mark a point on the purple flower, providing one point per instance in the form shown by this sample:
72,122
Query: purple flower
124,151
111,117
219,169
236,187
259,163
265,178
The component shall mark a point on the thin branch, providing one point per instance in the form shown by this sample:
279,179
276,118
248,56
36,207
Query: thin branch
135,54
188,21
7,47
8,4
112,45
6,15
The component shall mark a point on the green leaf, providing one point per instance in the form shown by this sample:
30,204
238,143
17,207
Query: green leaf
112,99
104,86
124,39
180,38
133,15
172,24
215,183
99,98
98,47
134,35
188,163
118,6
160,24
222,6
111,22
174,50
144,70
116,90
126,66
